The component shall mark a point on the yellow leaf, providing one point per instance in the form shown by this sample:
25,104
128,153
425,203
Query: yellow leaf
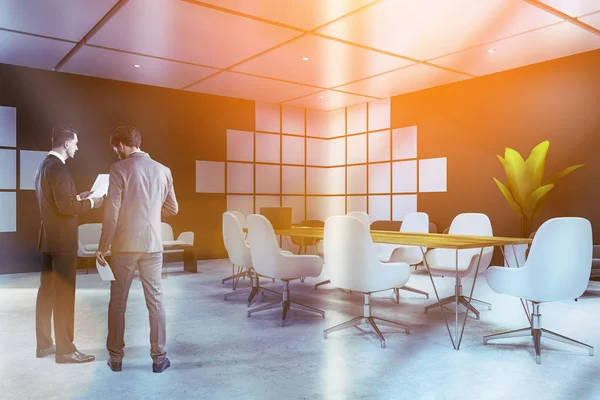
516,176
535,163
516,208
563,173
534,199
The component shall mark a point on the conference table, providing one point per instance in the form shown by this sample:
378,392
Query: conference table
431,241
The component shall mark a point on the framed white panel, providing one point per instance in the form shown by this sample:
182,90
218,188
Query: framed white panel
8,126
322,207
8,211
243,204
432,175
265,201
403,205
240,178
380,114
379,208
336,180
297,204
379,178
267,147
336,152
404,176
292,180
293,120
404,142
356,118
210,177
379,146
292,150
336,122
29,161
357,203
268,117
8,168
317,151
317,123
240,146
316,180
267,179
357,179
357,149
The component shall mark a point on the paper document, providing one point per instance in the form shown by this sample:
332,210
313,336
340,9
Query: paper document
105,272
100,187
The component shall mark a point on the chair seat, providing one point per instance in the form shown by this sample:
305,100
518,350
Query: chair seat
297,266
515,282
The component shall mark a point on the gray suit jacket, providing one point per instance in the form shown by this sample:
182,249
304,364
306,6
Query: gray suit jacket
140,191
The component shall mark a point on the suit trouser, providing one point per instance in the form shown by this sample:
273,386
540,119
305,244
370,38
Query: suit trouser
56,298
123,266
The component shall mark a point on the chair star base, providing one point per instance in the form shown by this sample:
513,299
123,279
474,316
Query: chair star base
253,291
463,300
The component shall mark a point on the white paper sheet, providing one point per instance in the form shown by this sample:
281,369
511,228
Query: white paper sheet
105,272
100,187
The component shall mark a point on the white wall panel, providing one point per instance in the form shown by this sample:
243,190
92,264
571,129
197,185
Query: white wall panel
336,180
265,201
267,179
357,149
379,178
379,114
240,178
404,176
292,150
268,117
322,207
432,175
243,204
8,211
292,120
379,146
297,204
267,147
8,126
336,122
336,153
29,161
317,123
210,177
316,180
402,205
8,169
293,180
357,203
404,142
379,208
357,179
317,152
240,146
357,118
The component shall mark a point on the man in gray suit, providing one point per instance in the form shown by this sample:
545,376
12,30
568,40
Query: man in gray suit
140,192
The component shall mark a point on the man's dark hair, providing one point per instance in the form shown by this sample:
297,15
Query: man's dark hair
128,135
62,134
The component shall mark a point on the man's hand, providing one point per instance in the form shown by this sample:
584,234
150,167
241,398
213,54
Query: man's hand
98,201
100,258
84,195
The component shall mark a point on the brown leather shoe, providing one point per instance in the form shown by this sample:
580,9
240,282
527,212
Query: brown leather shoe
41,353
161,366
74,358
116,366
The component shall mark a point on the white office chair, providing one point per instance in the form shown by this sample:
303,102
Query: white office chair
416,222
558,268
239,255
242,272
269,260
87,245
442,262
352,263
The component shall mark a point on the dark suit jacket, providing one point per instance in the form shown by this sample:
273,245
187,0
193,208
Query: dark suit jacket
57,199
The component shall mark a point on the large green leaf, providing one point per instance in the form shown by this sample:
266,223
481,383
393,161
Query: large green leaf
535,163
515,207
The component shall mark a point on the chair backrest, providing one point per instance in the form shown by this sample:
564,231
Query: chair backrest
474,224
90,233
264,248
349,252
560,258
433,228
166,232
241,218
235,244
382,225
415,222
362,217
298,240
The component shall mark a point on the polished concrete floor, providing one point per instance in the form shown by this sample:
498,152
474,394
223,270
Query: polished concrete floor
219,353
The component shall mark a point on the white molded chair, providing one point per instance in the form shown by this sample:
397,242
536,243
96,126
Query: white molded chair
269,260
242,272
352,263
88,239
239,255
416,222
442,262
558,268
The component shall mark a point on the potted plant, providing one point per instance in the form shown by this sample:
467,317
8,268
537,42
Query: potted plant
524,191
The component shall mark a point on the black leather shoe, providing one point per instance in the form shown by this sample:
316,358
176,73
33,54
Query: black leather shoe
74,358
41,353
116,366
161,366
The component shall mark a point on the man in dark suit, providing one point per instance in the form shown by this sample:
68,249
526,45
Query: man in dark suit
140,191
59,206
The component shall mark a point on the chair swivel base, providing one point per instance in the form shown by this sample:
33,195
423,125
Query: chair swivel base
286,304
536,331
368,319
253,291
463,300
408,289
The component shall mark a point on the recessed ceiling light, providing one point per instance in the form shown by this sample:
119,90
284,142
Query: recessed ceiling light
320,97
304,58
491,50
136,65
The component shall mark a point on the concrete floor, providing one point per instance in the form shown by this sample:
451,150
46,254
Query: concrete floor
219,353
